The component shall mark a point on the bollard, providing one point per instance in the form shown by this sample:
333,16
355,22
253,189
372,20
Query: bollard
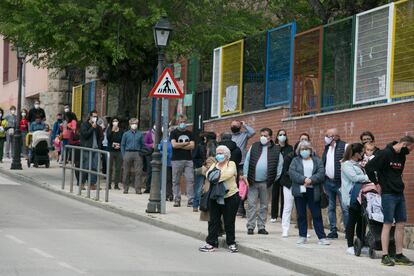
72,171
81,173
88,188
108,180
64,169
98,182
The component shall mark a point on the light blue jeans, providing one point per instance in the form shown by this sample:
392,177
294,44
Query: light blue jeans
332,191
198,186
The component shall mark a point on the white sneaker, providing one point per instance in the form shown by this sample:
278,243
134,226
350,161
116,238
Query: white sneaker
308,236
324,242
301,240
350,251
273,220
285,235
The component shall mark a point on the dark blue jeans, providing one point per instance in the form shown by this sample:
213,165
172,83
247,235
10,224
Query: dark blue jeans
332,191
315,208
94,167
198,185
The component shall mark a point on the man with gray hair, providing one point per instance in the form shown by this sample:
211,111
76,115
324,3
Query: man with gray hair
331,158
131,144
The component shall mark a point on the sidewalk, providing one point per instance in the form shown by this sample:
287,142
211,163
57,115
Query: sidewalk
310,259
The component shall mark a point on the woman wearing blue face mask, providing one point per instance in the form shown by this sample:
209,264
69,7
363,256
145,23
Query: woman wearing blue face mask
277,188
225,206
307,174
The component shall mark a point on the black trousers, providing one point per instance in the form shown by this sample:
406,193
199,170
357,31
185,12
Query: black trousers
277,190
355,218
228,211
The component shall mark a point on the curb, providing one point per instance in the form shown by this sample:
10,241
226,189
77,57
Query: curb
248,251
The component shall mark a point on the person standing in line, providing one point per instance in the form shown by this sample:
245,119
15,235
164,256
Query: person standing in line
149,139
386,169
307,174
11,119
35,112
277,188
183,143
241,138
331,158
3,126
56,133
286,182
131,144
91,136
114,136
24,129
263,166
223,204
37,125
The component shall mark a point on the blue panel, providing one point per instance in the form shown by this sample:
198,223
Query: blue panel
91,96
279,64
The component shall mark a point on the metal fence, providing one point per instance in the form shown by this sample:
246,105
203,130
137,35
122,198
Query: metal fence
76,165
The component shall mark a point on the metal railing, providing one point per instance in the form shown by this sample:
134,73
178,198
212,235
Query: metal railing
72,166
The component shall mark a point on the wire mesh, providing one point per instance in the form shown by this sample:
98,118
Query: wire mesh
231,78
307,72
403,63
337,69
279,63
372,55
254,69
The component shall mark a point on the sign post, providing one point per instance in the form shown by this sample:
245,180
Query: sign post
165,88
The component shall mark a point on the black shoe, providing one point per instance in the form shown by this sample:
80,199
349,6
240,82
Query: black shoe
262,232
147,191
189,204
233,248
109,187
387,260
402,260
177,204
125,191
116,187
332,235
250,232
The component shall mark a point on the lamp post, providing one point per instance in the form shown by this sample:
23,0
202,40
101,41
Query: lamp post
17,137
162,31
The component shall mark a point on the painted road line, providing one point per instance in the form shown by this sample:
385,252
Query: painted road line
68,266
13,238
41,253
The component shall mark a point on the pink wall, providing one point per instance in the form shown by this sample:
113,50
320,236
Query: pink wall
36,80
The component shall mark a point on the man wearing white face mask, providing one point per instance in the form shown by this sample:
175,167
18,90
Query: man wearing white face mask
36,111
131,144
262,167
331,158
91,136
11,119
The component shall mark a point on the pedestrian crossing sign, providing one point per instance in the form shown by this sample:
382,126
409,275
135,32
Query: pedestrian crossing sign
166,87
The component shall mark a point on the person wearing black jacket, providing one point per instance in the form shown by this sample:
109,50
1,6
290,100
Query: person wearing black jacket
205,148
114,134
386,169
277,188
91,136
36,111
236,154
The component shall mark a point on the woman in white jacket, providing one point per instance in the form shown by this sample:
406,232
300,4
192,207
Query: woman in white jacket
352,177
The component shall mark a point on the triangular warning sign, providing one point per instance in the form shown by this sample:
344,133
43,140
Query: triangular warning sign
166,87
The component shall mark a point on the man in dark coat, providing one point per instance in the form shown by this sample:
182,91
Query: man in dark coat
36,111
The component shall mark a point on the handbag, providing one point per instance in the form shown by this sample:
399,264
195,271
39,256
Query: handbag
204,201
243,189
324,202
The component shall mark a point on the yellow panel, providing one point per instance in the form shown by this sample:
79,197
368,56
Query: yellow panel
77,101
403,47
231,78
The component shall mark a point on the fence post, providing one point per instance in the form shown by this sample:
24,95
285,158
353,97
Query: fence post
88,188
98,177
81,173
64,169
72,171
108,180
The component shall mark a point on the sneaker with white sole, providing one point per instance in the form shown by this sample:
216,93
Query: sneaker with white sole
323,242
233,248
206,248
273,220
308,236
301,240
285,235
350,251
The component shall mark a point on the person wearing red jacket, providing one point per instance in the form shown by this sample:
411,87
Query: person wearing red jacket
24,129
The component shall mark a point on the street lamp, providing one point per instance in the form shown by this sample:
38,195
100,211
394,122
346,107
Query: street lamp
17,137
162,31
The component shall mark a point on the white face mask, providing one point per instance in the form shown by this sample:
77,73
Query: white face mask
263,140
282,138
36,106
23,114
328,140
115,124
134,126
12,112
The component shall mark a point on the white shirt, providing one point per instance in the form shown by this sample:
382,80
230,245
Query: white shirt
307,168
330,161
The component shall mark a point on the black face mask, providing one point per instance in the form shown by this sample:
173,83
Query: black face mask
405,151
235,129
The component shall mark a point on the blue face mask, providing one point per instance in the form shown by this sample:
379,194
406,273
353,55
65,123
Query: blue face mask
182,125
305,153
220,157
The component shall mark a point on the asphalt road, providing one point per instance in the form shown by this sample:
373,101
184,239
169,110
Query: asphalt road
42,233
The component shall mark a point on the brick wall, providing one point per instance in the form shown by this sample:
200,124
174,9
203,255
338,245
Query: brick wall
388,122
